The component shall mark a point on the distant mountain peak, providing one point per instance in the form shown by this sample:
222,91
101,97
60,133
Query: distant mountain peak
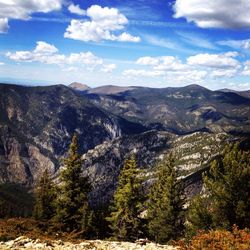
79,86
195,86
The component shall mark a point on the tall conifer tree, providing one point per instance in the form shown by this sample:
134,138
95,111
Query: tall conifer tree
228,198
229,186
165,205
45,196
125,219
72,207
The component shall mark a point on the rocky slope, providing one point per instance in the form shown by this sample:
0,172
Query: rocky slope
26,243
194,152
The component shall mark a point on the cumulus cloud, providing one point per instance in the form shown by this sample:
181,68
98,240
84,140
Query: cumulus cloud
17,9
196,69
214,14
75,9
108,68
45,48
148,60
104,24
163,63
48,54
44,53
169,67
225,60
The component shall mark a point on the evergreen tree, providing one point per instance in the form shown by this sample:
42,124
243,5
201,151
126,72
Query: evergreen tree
199,217
125,218
45,195
228,184
165,205
72,206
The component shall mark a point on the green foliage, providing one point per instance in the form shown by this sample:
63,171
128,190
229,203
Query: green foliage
228,200
45,196
229,185
199,217
165,206
72,205
125,220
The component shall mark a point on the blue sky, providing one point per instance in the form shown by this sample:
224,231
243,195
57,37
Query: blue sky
145,42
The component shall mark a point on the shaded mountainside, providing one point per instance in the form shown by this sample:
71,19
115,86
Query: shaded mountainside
37,123
179,110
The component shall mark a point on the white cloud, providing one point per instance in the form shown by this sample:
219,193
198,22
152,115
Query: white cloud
45,48
224,73
240,86
2,63
87,58
75,9
215,13
142,72
20,9
108,68
4,25
48,54
163,63
190,76
198,69
169,67
44,53
104,24
147,60
126,37
220,61
246,70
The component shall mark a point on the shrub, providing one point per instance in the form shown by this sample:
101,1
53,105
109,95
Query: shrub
219,240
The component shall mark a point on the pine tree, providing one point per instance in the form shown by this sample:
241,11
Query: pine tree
72,206
165,205
125,218
199,217
45,195
228,184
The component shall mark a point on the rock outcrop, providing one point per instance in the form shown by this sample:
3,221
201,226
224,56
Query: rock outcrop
26,243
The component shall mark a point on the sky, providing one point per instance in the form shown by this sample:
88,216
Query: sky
154,43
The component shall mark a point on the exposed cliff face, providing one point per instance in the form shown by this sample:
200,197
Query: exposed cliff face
21,162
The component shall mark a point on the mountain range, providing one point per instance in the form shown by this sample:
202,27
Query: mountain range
37,123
